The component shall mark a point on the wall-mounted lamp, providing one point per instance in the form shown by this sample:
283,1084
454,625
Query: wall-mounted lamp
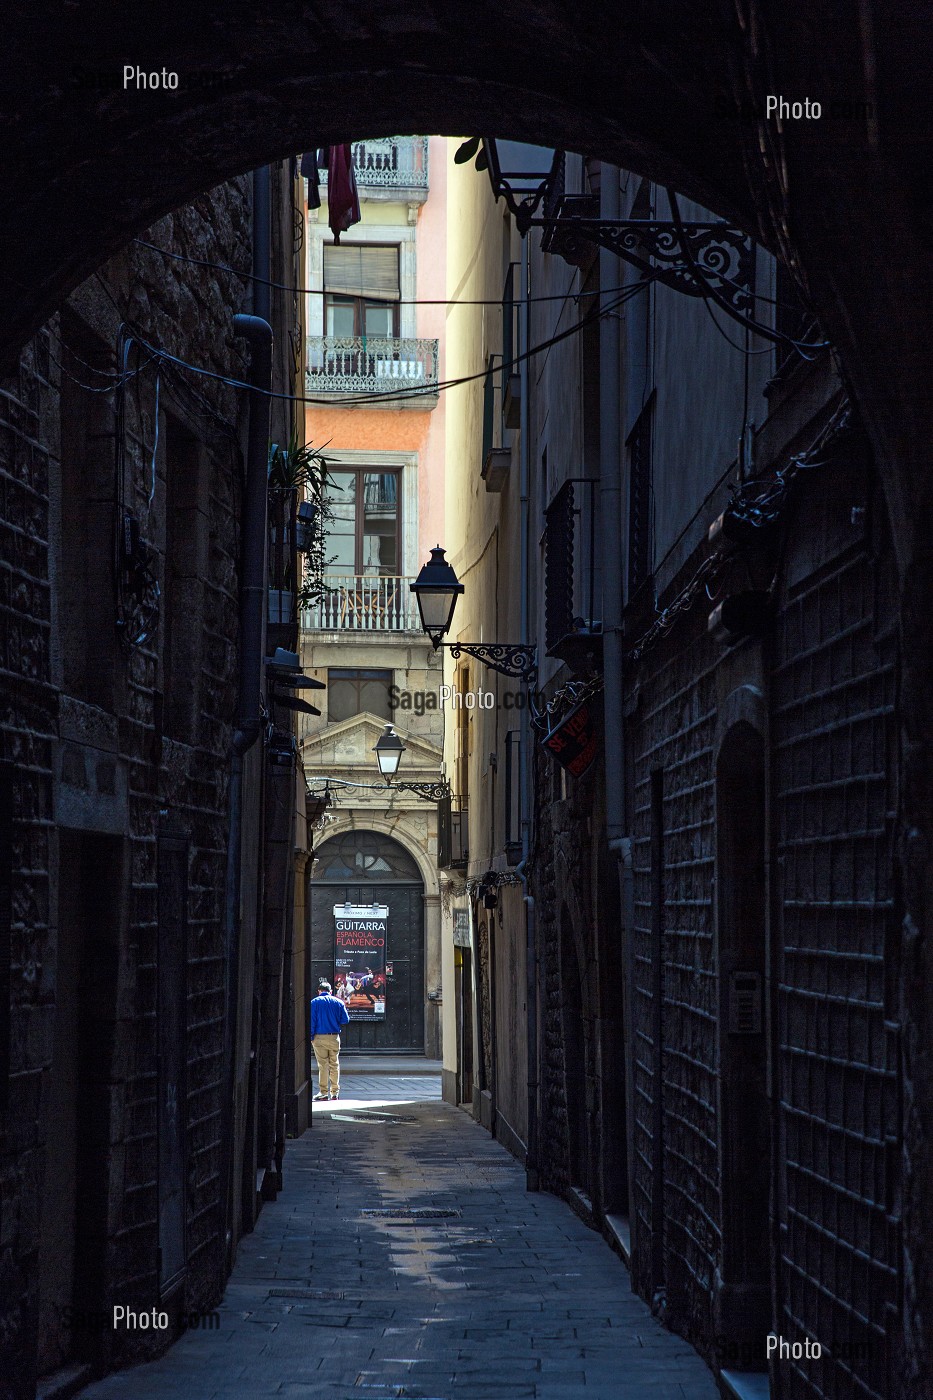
388,750
437,589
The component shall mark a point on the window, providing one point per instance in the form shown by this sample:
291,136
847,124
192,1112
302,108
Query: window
361,290
639,499
351,693
364,855
363,535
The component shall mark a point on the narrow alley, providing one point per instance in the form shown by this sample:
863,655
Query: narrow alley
465,607
405,1258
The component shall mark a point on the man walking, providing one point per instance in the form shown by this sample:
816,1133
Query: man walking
328,1015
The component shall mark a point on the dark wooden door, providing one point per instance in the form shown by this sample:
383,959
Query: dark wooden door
403,1027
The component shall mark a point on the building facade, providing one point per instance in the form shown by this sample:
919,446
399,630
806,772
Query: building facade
375,359
679,977
148,817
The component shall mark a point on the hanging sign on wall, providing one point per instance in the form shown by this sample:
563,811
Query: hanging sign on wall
574,741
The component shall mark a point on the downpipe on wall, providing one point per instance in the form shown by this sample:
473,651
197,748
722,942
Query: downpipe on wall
257,331
610,497
532,1176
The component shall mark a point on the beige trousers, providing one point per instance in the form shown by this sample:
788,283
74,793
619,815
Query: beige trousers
327,1054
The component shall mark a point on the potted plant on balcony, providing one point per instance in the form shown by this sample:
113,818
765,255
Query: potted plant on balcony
298,513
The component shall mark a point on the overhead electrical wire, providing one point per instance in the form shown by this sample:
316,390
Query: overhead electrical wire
404,301
413,391
320,291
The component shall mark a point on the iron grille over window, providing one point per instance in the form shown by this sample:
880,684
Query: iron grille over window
364,855
639,500
558,567
569,564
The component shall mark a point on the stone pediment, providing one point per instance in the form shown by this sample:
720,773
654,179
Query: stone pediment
350,744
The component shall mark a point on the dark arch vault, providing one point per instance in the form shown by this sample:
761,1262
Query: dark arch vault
668,88
665,89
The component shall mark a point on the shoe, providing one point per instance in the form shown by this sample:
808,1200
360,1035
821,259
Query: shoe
335,1096
318,1097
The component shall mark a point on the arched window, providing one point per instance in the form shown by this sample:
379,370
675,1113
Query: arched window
364,855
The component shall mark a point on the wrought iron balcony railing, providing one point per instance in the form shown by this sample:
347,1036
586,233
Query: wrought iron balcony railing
363,603
390,162
369,364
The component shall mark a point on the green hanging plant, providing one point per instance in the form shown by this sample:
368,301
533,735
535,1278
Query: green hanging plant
299,471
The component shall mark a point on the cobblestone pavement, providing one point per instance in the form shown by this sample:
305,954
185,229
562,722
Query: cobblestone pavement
497,1294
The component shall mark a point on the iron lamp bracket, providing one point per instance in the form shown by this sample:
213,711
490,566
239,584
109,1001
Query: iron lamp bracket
722,255
509,660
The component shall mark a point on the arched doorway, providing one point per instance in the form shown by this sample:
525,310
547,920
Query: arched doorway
362,870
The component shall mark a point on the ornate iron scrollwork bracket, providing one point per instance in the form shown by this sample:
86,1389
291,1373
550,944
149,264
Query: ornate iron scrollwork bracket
519,661
428,792
723,255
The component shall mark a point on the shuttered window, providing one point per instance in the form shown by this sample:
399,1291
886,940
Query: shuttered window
358,271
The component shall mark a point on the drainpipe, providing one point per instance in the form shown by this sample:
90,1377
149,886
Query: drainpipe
253,531
610,497
531,953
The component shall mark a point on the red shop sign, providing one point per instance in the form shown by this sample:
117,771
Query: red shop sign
573,743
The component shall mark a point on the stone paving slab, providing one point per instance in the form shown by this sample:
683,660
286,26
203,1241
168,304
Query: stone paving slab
511,1298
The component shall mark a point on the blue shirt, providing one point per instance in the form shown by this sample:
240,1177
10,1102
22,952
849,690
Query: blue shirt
328,1014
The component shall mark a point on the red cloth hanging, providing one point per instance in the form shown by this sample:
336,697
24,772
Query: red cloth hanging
343,201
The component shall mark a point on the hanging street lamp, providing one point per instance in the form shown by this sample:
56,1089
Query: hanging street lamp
388,750
437,589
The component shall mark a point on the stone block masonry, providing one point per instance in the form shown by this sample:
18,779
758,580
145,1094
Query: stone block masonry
113,749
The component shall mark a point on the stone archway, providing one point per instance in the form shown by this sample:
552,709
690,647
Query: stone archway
384,984
430,899
851,204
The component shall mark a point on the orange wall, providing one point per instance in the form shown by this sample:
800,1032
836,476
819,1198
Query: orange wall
366,429
406,430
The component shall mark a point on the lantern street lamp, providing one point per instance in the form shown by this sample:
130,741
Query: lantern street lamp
521,174
437,589
388,750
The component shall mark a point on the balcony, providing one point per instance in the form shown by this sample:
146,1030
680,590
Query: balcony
363,603
396,373
393,167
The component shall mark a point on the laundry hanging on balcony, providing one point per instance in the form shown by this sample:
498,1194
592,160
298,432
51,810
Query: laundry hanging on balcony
311,171
343,201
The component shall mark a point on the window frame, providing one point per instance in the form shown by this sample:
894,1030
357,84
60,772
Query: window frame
360,306
360,303
360,470
361,673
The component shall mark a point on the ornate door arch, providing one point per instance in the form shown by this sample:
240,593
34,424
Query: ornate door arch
365,868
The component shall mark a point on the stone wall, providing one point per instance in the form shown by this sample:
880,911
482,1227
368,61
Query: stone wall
117,710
